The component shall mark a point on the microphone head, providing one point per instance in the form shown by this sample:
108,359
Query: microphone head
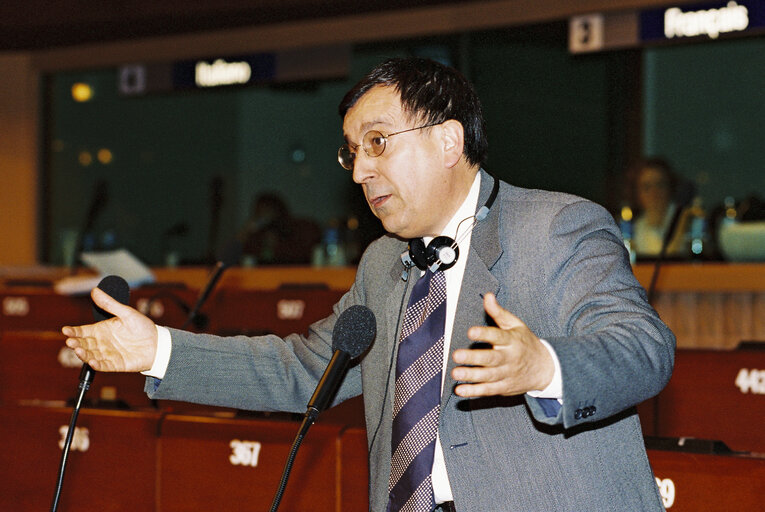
118,289
354,330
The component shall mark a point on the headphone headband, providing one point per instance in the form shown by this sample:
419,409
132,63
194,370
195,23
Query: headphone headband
442,252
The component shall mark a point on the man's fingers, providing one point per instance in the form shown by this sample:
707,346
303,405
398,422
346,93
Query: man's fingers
503,318
473,375
87,356
482,389
477,357
491,335
109,303
96,358
79,331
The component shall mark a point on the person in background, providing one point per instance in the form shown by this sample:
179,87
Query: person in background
272,236
508,358
653,189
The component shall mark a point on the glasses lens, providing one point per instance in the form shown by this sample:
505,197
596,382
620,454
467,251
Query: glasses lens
374,143
345,156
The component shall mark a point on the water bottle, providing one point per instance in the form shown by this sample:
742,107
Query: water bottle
698,229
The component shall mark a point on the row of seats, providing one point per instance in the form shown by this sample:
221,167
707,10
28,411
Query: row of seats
228,311
157,460
153,460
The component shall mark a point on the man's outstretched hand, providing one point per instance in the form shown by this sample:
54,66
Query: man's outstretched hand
517,362
125,343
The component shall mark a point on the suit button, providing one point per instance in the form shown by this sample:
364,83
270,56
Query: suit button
578,414
592,410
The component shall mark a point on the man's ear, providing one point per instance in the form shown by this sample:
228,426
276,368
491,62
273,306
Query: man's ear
454,141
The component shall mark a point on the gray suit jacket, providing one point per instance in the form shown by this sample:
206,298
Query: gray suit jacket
554,260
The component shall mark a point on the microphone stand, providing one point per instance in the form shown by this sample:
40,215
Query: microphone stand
308,420
321,399
86,379
662,253
352,335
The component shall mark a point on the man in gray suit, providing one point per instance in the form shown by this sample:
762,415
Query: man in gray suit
548,340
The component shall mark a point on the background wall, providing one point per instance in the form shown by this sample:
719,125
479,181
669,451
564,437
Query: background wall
594,95
18,159
703,110
548,117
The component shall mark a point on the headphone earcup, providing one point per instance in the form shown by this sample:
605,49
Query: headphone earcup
443,249
417,253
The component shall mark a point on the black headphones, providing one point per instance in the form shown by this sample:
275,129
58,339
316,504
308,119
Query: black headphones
442,252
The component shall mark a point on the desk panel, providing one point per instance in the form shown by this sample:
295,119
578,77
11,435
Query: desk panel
39,366
715,394
111,463
283,311
227,311
43,309
691,482
234,464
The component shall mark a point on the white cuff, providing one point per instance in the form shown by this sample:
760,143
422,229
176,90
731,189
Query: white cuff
555,388
162,357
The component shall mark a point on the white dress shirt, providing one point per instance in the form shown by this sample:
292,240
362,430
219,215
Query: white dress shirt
460,228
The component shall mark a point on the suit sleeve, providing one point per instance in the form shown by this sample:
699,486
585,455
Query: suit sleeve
613,349
263,373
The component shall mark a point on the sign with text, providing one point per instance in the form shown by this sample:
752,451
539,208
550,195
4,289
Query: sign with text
212,72
707,21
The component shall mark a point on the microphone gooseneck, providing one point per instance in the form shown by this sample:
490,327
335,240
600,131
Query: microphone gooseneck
683,198
118,289
352,335
230,257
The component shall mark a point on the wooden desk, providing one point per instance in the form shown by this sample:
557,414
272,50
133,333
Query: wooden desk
148,460
709,305
236,464
715,394
111,463
691,482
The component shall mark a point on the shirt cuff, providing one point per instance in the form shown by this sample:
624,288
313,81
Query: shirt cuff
162,357
555,388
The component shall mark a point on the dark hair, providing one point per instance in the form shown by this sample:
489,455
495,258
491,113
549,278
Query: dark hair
432,93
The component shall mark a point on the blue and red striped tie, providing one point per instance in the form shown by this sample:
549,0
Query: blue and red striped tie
418,395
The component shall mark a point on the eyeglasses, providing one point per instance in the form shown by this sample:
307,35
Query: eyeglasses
373,144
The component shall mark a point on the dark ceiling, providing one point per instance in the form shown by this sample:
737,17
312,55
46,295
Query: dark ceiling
38,24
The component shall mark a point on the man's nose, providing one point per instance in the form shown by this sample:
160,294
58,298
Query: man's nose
363,167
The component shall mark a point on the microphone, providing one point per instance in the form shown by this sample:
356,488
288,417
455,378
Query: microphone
352,335
231,255
98,201
117,288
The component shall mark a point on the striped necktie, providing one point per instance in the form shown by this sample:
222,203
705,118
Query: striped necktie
418,395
